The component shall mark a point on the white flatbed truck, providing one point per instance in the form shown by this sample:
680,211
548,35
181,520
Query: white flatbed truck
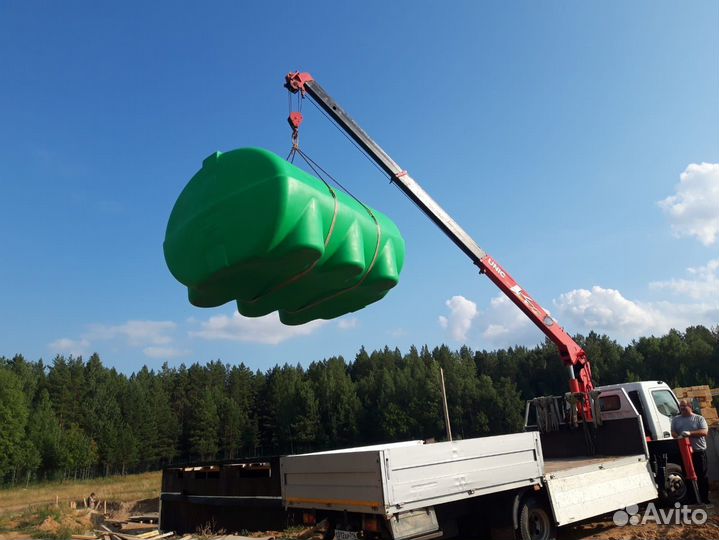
594,450
501,485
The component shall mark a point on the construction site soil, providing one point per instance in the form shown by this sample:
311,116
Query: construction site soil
604,528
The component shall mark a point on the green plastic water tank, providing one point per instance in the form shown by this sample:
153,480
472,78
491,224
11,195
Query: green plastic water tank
253,228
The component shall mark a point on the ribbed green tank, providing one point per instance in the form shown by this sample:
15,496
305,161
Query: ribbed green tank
252,227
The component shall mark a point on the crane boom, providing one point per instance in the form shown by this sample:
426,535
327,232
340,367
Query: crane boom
571,354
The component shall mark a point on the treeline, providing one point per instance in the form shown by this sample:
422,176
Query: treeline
78,418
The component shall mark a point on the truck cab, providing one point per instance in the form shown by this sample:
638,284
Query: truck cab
654,400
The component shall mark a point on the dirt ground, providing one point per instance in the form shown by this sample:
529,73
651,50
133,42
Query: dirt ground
14,535
52,522
605,529
600,529
113,488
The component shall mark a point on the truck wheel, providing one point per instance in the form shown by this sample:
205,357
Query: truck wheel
675,490
535,520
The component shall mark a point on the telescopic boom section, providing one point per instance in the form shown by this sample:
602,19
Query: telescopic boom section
570,352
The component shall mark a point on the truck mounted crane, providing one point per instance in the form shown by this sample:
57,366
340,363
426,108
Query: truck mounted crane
652,403
571,354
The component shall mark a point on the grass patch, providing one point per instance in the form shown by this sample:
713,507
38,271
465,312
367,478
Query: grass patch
53,523
131,487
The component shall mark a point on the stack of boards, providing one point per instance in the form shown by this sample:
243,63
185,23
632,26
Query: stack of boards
701,400
253,228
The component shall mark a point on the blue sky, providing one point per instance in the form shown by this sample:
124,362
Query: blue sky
578,143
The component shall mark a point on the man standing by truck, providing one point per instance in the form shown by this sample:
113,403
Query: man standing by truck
694,426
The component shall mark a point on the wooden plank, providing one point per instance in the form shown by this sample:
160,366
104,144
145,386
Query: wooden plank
700,399
142,518
133,528
121,536
703,389
112,535
125,536
107,530
695,394
315,535
164,535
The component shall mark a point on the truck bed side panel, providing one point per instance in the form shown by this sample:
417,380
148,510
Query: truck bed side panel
584,492
402,478
444,472
349,481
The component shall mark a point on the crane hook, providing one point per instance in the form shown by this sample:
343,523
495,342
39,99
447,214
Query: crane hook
295,120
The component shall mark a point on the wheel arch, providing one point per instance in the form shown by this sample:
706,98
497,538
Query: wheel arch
520,495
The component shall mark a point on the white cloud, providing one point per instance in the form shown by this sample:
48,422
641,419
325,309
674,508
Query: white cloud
152,335
348,324
603,310
694,209
75,347
703,284
495,331
504,325
164,352
461,313
268,329
136,333
607,311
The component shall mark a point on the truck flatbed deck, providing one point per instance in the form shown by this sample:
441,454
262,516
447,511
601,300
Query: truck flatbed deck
555,465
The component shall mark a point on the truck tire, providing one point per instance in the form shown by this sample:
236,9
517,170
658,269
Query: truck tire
676,489
535,520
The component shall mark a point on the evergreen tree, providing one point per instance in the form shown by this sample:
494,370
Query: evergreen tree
204,423
75,418
30,460
13,419
80,452
294,407
139,411
167,423
242,388
45,434
337,401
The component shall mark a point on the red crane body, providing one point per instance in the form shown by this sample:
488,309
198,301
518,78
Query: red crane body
571,354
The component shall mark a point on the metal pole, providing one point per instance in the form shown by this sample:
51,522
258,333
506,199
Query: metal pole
446,410
571,372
